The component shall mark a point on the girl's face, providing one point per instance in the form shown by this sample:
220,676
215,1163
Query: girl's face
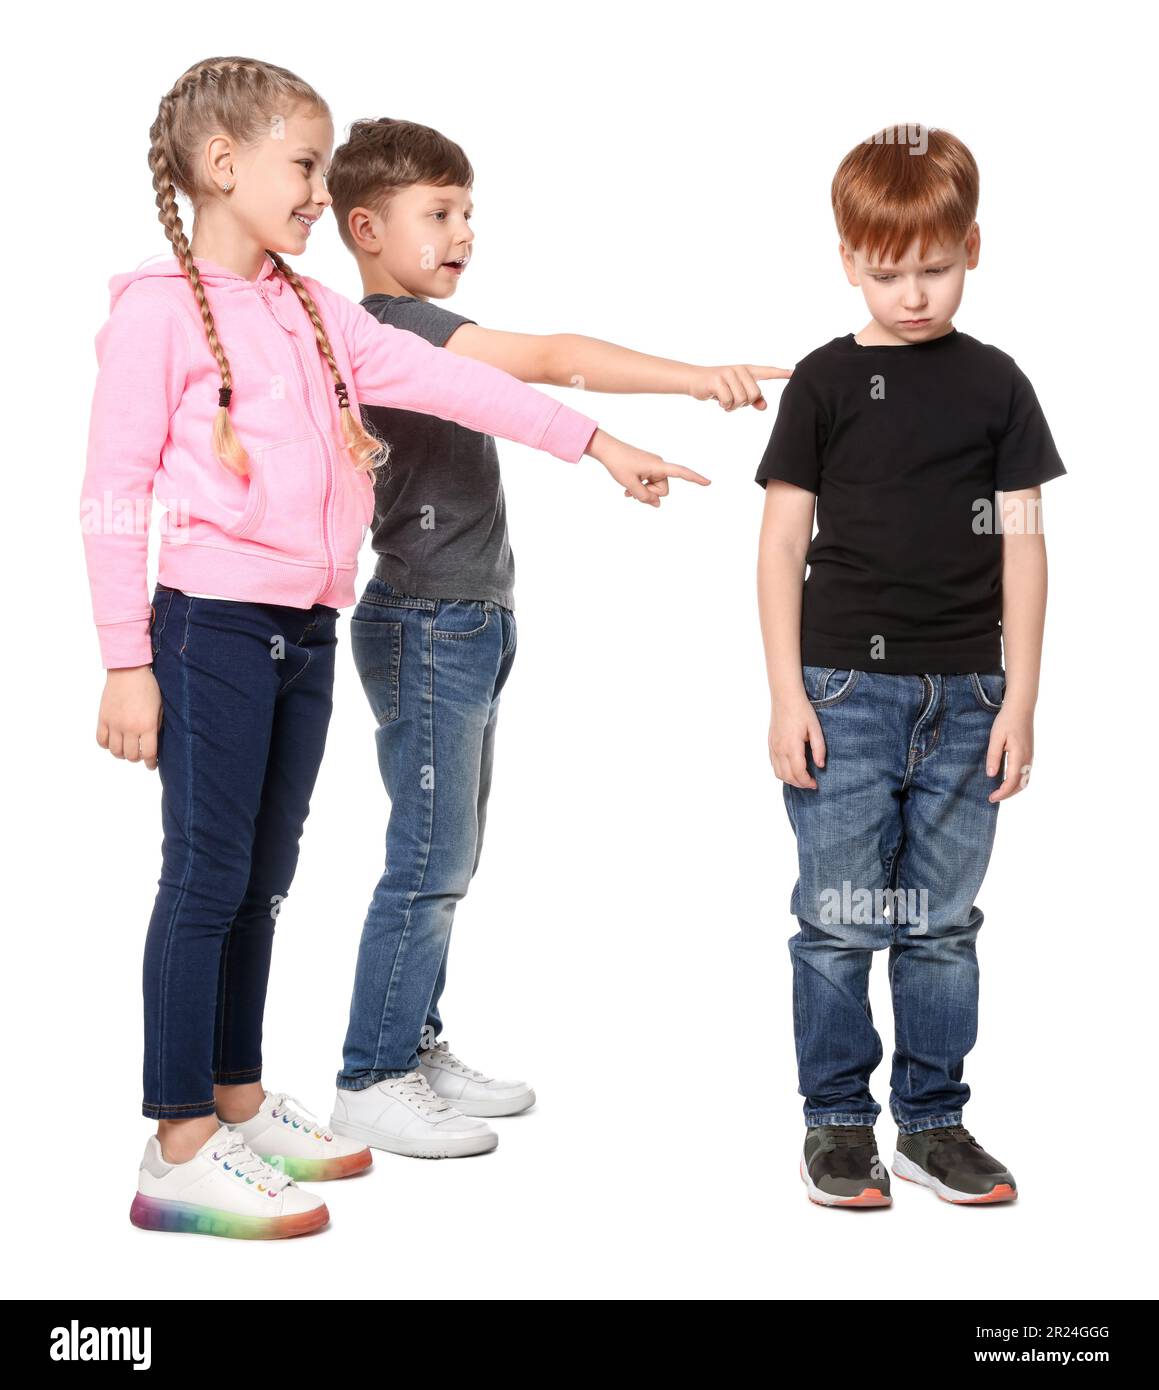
279,189
916,297
424,241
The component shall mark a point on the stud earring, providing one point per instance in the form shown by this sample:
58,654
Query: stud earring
225,187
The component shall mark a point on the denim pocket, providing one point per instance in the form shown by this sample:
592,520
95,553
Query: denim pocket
459,619
828,685
377,649
989,689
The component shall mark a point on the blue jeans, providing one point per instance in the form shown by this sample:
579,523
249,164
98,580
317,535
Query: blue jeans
246,691
432,670
892,847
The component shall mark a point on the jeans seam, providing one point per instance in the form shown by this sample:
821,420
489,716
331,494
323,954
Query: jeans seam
923,714
152,1109
824,701
224,1004
429,658
891,969
295,676
952,1117
983,699
937,725
159,629
163,1006
374,1076
423,605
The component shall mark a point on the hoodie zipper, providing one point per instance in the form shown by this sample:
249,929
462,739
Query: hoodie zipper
328,496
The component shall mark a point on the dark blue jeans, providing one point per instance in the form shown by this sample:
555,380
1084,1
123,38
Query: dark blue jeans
247,692
433,670
892,848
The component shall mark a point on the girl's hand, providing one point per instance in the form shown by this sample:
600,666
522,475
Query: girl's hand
792,725
131,715
642,475
1012,734
733,386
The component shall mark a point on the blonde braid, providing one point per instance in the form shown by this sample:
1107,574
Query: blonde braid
226,445
238,96
365,449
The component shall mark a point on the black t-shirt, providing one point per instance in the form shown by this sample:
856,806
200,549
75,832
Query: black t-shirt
440,517
906,448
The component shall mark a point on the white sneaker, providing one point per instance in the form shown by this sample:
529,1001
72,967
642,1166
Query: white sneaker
469,1090
404,1116
289,1138
223,1190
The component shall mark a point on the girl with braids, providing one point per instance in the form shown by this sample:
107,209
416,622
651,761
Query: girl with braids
228,389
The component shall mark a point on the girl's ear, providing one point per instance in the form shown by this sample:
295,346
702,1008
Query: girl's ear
218,161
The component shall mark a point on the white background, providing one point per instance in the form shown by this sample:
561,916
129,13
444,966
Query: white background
657,176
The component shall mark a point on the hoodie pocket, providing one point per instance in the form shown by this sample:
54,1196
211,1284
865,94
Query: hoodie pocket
287,484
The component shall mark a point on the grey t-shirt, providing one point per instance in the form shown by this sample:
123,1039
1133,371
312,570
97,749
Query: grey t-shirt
440,520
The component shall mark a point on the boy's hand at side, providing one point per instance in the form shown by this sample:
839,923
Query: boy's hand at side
1012,734
733,387
1023,620
131,715
642,475
794,724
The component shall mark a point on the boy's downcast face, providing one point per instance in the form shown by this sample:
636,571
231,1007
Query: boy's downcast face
914,297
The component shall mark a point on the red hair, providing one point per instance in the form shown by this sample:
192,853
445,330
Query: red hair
903,183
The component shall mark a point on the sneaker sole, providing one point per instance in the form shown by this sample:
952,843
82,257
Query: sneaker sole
492,1109
321,1169
186,1218
466,1147
867,1197
906,1169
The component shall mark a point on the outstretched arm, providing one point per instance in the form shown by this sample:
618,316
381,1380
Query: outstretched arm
393,367
569,359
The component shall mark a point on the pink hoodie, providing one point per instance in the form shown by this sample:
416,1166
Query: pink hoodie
290,532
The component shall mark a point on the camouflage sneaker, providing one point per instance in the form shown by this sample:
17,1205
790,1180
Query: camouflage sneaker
841,1167
951,1161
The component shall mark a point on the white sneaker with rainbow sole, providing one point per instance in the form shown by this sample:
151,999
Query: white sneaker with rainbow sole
288,1137
225,1189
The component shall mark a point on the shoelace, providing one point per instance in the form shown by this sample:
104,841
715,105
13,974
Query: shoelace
416,1089
956,1133
288,1105
237,1156
455,1064
851,1136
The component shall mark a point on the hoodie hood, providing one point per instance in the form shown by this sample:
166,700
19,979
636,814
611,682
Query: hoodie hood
213,275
